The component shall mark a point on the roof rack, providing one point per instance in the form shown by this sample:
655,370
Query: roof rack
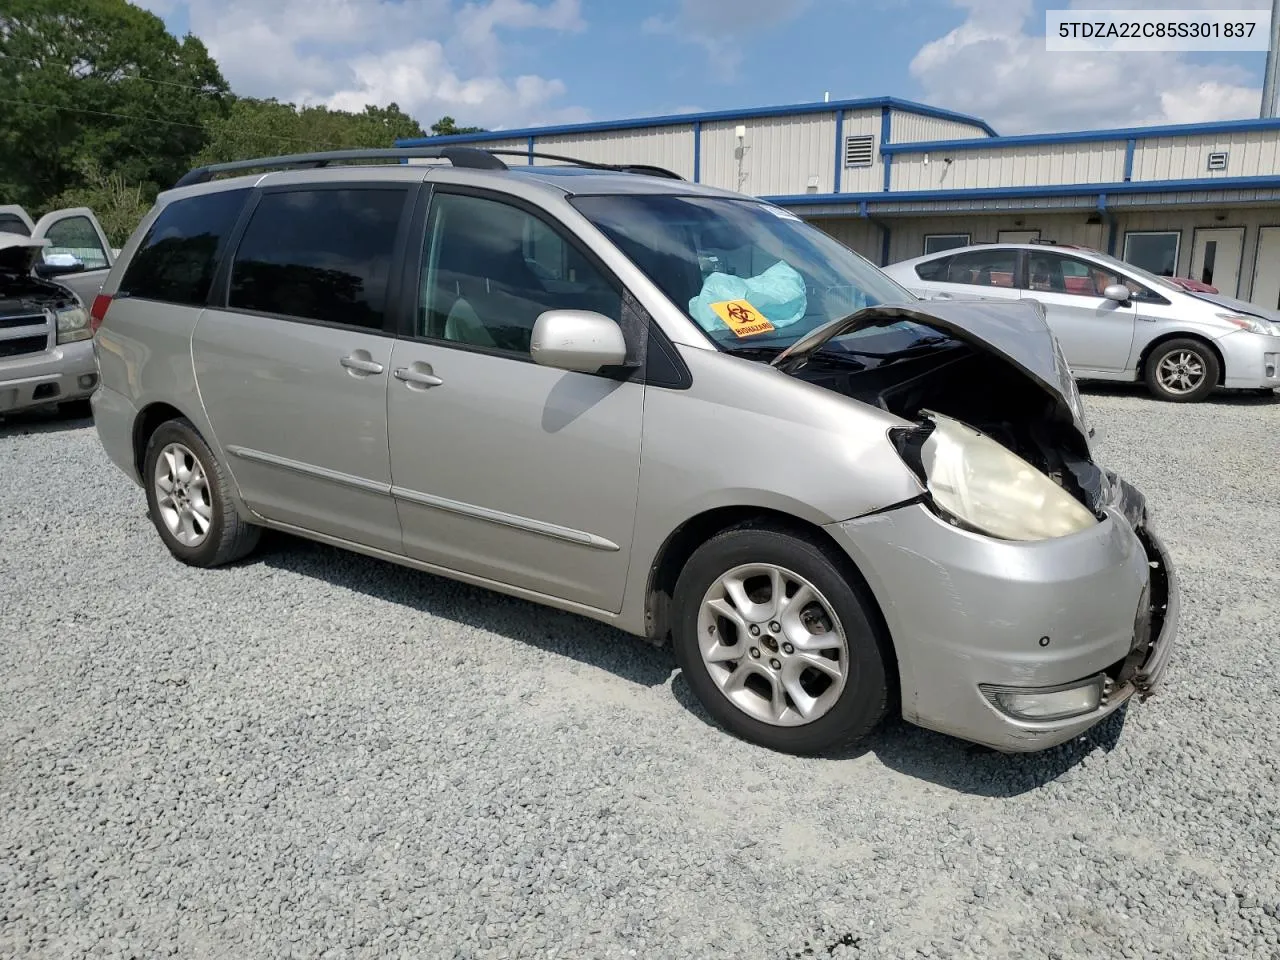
474,158
470,157
640,168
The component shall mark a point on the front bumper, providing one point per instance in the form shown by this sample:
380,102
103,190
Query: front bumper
1251,361
965,610
54,376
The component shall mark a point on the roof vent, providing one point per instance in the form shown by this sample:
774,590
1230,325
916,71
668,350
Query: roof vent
858,151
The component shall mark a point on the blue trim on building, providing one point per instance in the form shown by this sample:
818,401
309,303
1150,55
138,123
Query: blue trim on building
1087,136
886,137
697,152
1052,190
835,184
683,119
1129,147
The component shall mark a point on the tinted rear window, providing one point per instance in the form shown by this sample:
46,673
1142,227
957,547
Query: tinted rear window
12,223
176,259
319,254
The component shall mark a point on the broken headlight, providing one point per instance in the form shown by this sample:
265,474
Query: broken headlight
981,485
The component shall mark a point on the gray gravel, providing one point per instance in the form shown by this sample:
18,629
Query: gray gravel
315,754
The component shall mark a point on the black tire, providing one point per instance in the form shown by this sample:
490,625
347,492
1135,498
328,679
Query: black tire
1199,349
865,699
229,537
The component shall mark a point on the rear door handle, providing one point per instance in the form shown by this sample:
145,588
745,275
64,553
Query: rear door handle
360,365
416,377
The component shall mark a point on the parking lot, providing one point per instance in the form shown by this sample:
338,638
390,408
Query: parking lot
313,753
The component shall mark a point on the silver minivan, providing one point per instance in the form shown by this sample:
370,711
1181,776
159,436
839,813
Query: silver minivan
1115,321
678,410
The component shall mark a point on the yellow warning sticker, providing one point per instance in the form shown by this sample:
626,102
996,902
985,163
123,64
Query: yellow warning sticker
741,317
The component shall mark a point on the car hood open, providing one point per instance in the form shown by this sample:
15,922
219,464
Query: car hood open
19,254
1015,331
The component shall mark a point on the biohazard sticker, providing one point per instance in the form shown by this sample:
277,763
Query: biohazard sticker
741,317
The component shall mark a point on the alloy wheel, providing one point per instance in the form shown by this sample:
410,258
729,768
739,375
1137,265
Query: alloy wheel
182,495
773,644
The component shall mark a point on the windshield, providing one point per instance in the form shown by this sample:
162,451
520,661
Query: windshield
750,275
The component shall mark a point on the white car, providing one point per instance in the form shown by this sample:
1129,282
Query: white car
1115,321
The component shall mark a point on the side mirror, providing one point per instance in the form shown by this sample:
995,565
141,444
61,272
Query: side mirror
1117,292
577,340
46,269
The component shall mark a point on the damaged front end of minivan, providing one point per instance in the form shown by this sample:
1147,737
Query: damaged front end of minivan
1061,592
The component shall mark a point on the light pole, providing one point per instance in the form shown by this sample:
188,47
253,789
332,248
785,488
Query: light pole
1271,81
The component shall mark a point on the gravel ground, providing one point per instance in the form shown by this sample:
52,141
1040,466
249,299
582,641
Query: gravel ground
315,754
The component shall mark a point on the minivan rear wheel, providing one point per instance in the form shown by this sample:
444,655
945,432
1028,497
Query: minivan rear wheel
1182,370
777,643
187,498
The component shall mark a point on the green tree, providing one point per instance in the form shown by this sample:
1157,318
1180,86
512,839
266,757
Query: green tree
98,82
118,205
265,128
447,127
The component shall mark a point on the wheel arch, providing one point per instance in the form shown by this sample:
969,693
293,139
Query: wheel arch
1150,348
146,423
698,529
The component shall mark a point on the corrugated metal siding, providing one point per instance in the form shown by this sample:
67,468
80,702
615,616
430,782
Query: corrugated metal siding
782,154
861,179
910,127
906,237
1253,153
1036,165
670,147
855,233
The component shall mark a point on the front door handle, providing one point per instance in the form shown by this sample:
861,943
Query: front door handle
416,377
358,364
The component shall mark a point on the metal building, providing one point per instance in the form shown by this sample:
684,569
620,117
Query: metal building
894,179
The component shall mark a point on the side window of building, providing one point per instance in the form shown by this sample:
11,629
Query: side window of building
176,259
319,254
491,268
983,268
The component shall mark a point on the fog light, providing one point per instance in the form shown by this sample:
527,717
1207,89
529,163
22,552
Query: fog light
87,380
1047,703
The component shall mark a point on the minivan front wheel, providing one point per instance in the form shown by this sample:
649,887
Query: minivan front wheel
776,642
187,499
1182,371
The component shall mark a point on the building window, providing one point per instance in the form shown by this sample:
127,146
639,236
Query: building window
937,242
1155,252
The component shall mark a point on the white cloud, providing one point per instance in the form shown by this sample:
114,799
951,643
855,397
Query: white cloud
719,26
995,65
428,56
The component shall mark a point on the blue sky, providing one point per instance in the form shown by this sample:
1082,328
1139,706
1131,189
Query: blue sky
511,63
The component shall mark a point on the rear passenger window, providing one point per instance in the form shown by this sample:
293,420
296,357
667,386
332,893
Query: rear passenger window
12,223
319,254
176,259
982,268
933,269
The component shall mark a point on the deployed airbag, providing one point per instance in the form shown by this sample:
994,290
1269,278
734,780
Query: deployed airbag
778,295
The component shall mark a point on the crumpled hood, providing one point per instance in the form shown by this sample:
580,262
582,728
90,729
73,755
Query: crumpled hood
1014,330
19,254
1236,306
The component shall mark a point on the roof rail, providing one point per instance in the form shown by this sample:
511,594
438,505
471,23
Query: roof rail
472,157
642,168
